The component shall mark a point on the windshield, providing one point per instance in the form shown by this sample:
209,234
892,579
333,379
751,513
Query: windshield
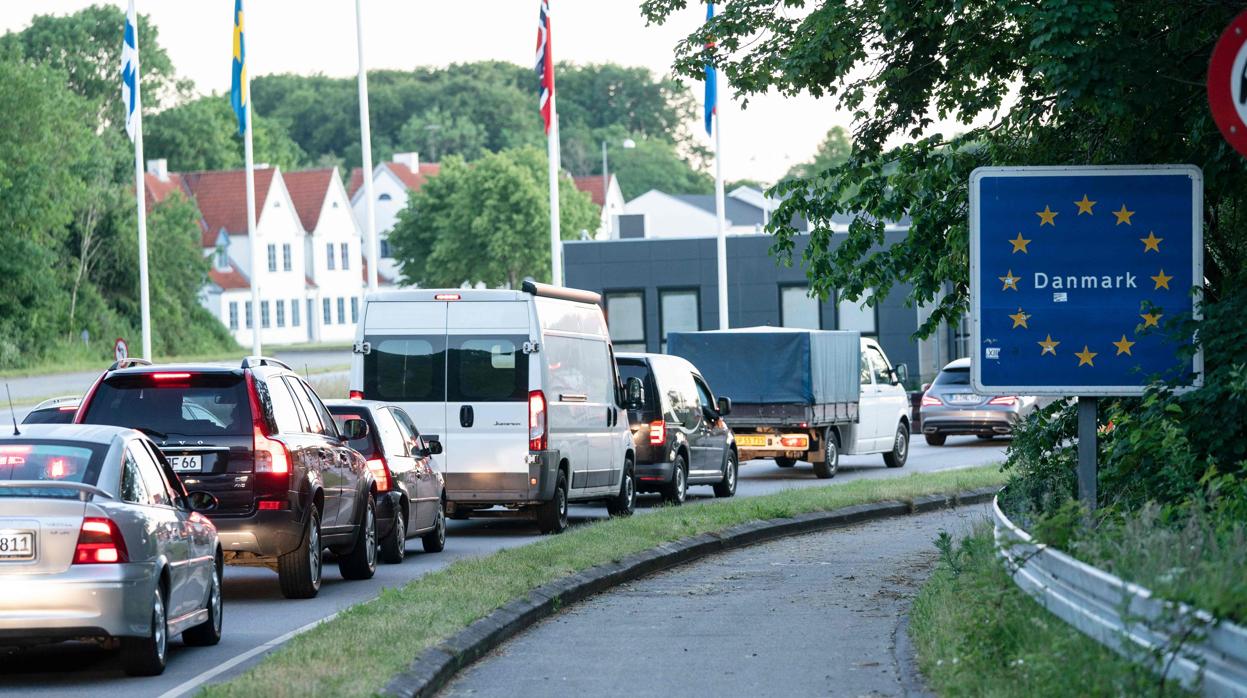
206,404
51,415
52,461
953,376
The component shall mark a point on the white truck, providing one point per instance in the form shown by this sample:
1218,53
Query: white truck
804,394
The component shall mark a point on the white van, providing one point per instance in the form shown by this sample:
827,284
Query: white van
520,386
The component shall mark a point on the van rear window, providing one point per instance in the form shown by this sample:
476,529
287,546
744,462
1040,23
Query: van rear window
487,369
406,369
202,404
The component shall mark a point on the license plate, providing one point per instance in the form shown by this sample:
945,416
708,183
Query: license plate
964,398
186,464
17,545
751,440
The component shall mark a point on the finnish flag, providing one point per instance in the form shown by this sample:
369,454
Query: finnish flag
130,71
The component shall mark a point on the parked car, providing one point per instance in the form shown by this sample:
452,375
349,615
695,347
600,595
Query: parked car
58,410
257,439
98,539
678,431
522,387
411,494
951,407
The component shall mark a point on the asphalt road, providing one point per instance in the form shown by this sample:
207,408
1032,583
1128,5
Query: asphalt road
256,614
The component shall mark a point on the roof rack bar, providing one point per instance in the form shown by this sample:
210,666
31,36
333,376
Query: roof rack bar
567,294
128,362
253,361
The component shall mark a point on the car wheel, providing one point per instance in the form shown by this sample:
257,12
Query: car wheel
552,516
785,462
727,486
831,456
986,437
624,503
435,541
361,562
299,571
208,633
145,656
900,447
394,546
935,439
676,491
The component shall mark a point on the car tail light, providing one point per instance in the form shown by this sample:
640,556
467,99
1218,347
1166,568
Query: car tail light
380,472
271,456
1004,400
538,435
100,542
273,505
657,432
56,468
67,408
794,441
356,395
170,376
931,401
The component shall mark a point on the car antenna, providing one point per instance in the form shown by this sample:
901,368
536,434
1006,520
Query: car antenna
307,376
12,413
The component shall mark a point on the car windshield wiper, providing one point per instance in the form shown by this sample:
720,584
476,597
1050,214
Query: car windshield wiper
153,433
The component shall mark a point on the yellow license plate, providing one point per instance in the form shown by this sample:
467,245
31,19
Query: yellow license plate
751,440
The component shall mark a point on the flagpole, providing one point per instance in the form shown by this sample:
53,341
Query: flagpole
365,137
721,242
552,151
140,195
249,164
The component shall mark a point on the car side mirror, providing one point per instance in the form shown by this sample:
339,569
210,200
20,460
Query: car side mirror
636,393
433,447
901,373
725,406
202,502
354,428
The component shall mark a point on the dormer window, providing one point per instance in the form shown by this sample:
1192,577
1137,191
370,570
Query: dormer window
384,197
222,258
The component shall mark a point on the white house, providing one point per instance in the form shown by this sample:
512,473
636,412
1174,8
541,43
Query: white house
609,197
392,184
746,209
335,274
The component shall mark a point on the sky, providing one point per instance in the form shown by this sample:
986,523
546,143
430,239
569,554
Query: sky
318,36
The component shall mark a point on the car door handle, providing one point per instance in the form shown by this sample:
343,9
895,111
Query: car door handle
466,417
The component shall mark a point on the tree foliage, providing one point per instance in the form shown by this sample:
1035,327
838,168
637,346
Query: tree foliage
834,150
203,135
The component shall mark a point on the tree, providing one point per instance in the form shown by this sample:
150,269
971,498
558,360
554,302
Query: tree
435,134
487,221
203,135
832,152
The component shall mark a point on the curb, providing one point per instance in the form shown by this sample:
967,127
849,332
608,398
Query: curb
434,667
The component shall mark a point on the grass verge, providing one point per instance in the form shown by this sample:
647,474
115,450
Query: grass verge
977,634
381,638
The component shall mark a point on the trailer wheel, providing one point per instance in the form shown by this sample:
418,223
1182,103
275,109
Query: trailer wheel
831,456
785,462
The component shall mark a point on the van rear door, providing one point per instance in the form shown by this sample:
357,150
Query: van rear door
406,364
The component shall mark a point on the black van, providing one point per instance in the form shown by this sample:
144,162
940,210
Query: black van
677,427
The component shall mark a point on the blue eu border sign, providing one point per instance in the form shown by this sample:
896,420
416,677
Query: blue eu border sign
1080,277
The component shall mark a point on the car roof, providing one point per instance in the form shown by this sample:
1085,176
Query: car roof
86,433
164,368
957,364
345,402
62,401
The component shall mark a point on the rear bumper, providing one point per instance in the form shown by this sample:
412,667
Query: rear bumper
953,422
650,476
533,485
83,601
263,533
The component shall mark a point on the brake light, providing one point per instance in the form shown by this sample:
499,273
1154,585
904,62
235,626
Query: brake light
356,395
380,473
1003,400
931,401
273,505
67,408
446,297
56,469
537,433
657,433
100,542
271,456
794,441
170,376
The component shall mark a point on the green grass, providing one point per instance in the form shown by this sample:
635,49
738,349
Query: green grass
977,634
76,358
377,640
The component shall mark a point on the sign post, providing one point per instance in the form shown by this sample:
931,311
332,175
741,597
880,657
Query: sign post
1079,277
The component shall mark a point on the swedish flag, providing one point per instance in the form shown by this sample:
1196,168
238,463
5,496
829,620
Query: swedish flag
238,97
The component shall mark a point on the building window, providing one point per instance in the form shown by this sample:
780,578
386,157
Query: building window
387,197
328,316
798,309
857,315
272,257
264,315
625,314
250,321
294,312
281,313
222,258
341,311
961,337
329,255
354,310
385,248
345,249
678,311
286,264
233,315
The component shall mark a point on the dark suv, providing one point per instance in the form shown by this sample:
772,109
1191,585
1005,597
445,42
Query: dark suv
677,427
258,440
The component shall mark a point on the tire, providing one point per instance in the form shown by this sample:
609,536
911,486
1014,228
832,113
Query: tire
299,571
900,447
435,540
552,516
394,546
676,491
361,562
831,456
731,469
785,462
208,633
624,503
986,437
935,439
145,656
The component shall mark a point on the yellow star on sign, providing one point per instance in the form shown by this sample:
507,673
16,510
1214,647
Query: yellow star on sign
1123,216
1047,216
1019,320
1123,346
1151,319
1085,356
1010,281
1019,244
1162,281
1049,346
1151,242
1085,205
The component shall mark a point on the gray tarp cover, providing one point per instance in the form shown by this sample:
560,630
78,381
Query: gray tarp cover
775,365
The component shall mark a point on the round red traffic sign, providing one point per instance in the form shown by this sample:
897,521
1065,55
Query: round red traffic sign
1227,83
121,351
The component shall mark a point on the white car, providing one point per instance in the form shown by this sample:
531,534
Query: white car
519,386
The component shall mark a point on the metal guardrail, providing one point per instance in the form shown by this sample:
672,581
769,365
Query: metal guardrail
1175,640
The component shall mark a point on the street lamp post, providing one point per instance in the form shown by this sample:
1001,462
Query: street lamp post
628,144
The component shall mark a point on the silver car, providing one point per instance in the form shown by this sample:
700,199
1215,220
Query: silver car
951,407
98,541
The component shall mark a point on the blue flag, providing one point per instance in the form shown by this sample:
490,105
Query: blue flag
238,96
130,70
712,92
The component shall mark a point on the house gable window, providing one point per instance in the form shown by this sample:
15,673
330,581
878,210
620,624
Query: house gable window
324,304
281,313
329,258
345,249
294,312
272,257
286,263
233,315
384,197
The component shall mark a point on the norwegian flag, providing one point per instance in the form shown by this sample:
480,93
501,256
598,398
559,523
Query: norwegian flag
545,64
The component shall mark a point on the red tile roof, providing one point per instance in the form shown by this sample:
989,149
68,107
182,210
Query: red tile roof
412,180
382,279
592,185
222,199
307,190
157,190
231,279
